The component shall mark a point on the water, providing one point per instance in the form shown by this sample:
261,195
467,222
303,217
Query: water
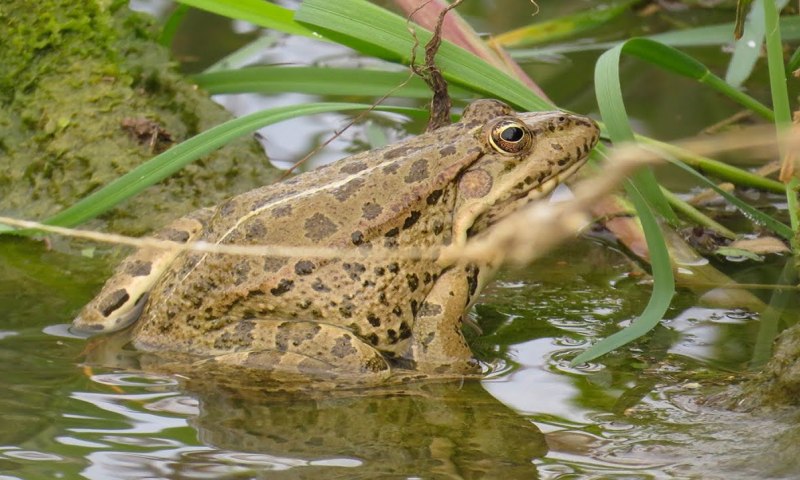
635,414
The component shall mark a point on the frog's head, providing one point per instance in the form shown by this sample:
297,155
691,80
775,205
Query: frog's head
525,157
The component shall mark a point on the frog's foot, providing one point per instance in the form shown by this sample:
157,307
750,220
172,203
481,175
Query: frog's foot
438,346
305,349
124,295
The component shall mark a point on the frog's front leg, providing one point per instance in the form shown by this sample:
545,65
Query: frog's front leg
308,348
438,345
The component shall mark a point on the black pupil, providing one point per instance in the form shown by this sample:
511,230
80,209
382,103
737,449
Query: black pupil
512,134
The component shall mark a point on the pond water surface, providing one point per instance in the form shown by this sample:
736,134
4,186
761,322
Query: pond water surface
634,416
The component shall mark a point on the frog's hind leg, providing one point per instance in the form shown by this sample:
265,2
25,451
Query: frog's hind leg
306,348
124,295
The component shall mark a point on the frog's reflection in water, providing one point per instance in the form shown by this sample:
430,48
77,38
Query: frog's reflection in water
426,430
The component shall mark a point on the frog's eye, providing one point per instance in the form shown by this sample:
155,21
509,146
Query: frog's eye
510,137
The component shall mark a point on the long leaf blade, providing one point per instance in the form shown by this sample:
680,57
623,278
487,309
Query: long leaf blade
360,24
169,162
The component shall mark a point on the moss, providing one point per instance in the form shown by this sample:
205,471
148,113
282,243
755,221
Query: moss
74,77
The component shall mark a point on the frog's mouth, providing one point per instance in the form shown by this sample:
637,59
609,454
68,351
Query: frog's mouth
517,200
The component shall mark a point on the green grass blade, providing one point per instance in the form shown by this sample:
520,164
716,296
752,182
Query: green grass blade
717,169
612,108
562,27
663,285
783,114
750,212
244,56
257,12
675,61
171,25
362,25
318,81
169,162
747,50
693,37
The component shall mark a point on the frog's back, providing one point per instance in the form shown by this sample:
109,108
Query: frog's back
357,205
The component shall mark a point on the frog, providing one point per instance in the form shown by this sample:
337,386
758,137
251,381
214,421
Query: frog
364,314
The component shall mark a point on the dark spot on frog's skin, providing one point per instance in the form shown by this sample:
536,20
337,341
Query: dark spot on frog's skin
304,267
240,272
390,243
399,152
414,306
258,204
283,286
114,301
352,168
413,281
417,172
397,310
391,334
472,278
391,168
528,180
447,151
255,230
373,339
282,211
354,270
371,210
373,320
318,227
430,309
551,127
348,189
578,152
426,278
273,264
174,235
438,227
294,334
563,161
138,268
379,271
405,331
357,238
382,299
304,304
343,347
411,220
392,233
318,286
393,267
346,309
240,337
433,197
556,146
228,208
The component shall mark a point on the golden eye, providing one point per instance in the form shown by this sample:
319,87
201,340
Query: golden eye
510,137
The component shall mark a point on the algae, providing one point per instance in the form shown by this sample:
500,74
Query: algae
78,80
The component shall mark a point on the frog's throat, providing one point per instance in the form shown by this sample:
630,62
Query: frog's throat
467,218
